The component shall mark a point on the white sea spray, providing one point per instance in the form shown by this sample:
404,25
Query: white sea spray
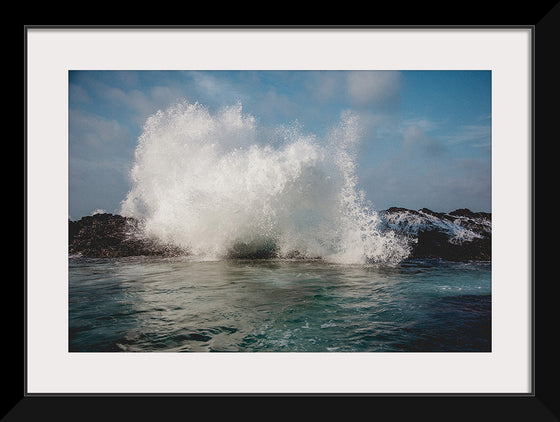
455,227
209,183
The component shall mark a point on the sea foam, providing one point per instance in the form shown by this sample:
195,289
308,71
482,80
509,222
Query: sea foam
217,185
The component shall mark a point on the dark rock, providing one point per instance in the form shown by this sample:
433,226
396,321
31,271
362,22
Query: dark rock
254,250
465,212
109,236
398,209
461,235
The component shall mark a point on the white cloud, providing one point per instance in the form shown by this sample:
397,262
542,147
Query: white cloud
137,103
77,94
478,135
415,140
89,130
324,86
163,96
211,90
423,123
134,100
367,88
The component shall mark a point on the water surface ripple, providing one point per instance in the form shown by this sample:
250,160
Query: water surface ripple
178,305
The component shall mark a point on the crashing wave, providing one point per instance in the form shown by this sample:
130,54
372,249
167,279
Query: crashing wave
211,183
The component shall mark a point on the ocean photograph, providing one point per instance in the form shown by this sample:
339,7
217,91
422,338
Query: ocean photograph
279,211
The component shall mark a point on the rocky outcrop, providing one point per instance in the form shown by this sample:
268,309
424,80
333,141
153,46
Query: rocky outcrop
461,235
109,236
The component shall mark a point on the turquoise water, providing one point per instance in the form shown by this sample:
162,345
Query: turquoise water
149,304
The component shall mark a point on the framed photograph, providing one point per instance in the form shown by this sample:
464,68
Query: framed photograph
279,211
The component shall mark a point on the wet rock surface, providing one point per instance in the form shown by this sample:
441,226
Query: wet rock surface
109,236
460,235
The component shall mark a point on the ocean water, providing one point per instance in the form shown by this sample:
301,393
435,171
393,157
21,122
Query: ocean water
151,304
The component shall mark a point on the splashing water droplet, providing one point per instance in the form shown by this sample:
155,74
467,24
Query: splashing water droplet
208,183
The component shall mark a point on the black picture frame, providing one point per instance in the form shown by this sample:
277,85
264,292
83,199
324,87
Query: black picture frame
540,405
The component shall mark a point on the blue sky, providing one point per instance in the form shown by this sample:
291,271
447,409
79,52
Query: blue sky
426,134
